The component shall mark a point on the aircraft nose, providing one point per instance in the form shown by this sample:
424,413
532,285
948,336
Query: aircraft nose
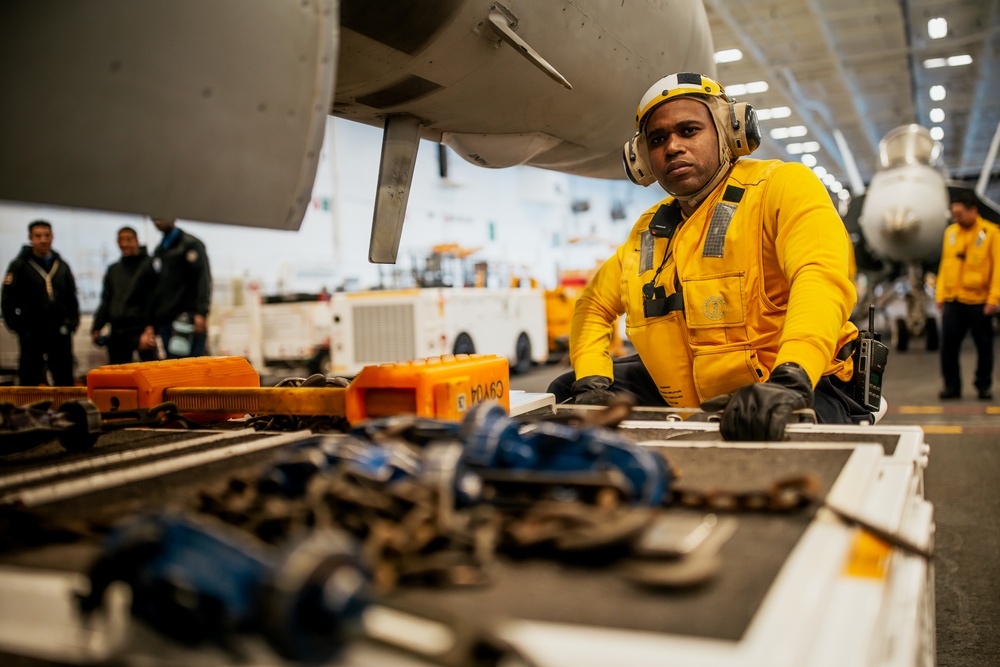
900,223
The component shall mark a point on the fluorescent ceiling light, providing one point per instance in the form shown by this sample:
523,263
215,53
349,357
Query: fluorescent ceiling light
936,28
728,56
938,93
950,61
936,115
806,147
773,112
808,160
937,133
789,132
738,89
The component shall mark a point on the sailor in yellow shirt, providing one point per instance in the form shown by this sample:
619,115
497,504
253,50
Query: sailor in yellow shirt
735,287
968,291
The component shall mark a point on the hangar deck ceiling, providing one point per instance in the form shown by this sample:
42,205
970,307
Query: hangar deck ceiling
864,67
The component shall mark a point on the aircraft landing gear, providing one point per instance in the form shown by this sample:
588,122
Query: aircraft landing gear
902,335
933,337
902,332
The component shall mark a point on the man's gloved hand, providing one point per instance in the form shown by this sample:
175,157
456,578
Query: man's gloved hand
592,390
760,411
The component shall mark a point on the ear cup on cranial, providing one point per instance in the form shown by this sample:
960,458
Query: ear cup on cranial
744,135
635,156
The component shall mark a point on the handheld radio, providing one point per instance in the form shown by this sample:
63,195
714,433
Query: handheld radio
870,356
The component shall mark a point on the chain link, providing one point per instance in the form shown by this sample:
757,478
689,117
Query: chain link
781,496
314,423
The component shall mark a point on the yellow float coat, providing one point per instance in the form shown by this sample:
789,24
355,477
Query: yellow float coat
779,293
970,264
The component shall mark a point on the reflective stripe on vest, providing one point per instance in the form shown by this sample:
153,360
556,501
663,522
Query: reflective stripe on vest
722,215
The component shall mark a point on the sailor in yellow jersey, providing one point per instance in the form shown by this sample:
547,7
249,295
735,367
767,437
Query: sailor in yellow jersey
735,287
968,294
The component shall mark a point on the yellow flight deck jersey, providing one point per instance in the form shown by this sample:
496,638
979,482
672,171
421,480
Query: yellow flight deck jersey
970,264
761,272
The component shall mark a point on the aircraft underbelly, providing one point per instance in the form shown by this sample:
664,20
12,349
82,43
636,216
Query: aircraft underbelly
477,94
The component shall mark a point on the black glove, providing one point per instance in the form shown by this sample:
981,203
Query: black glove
760,411
592,390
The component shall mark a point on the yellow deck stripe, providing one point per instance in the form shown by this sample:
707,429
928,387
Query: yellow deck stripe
942,429
921,409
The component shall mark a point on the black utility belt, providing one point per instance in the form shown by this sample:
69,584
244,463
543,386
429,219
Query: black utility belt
656,303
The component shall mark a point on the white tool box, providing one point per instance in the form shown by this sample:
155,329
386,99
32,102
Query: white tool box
836,599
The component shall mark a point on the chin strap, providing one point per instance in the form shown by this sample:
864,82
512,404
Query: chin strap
696,198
